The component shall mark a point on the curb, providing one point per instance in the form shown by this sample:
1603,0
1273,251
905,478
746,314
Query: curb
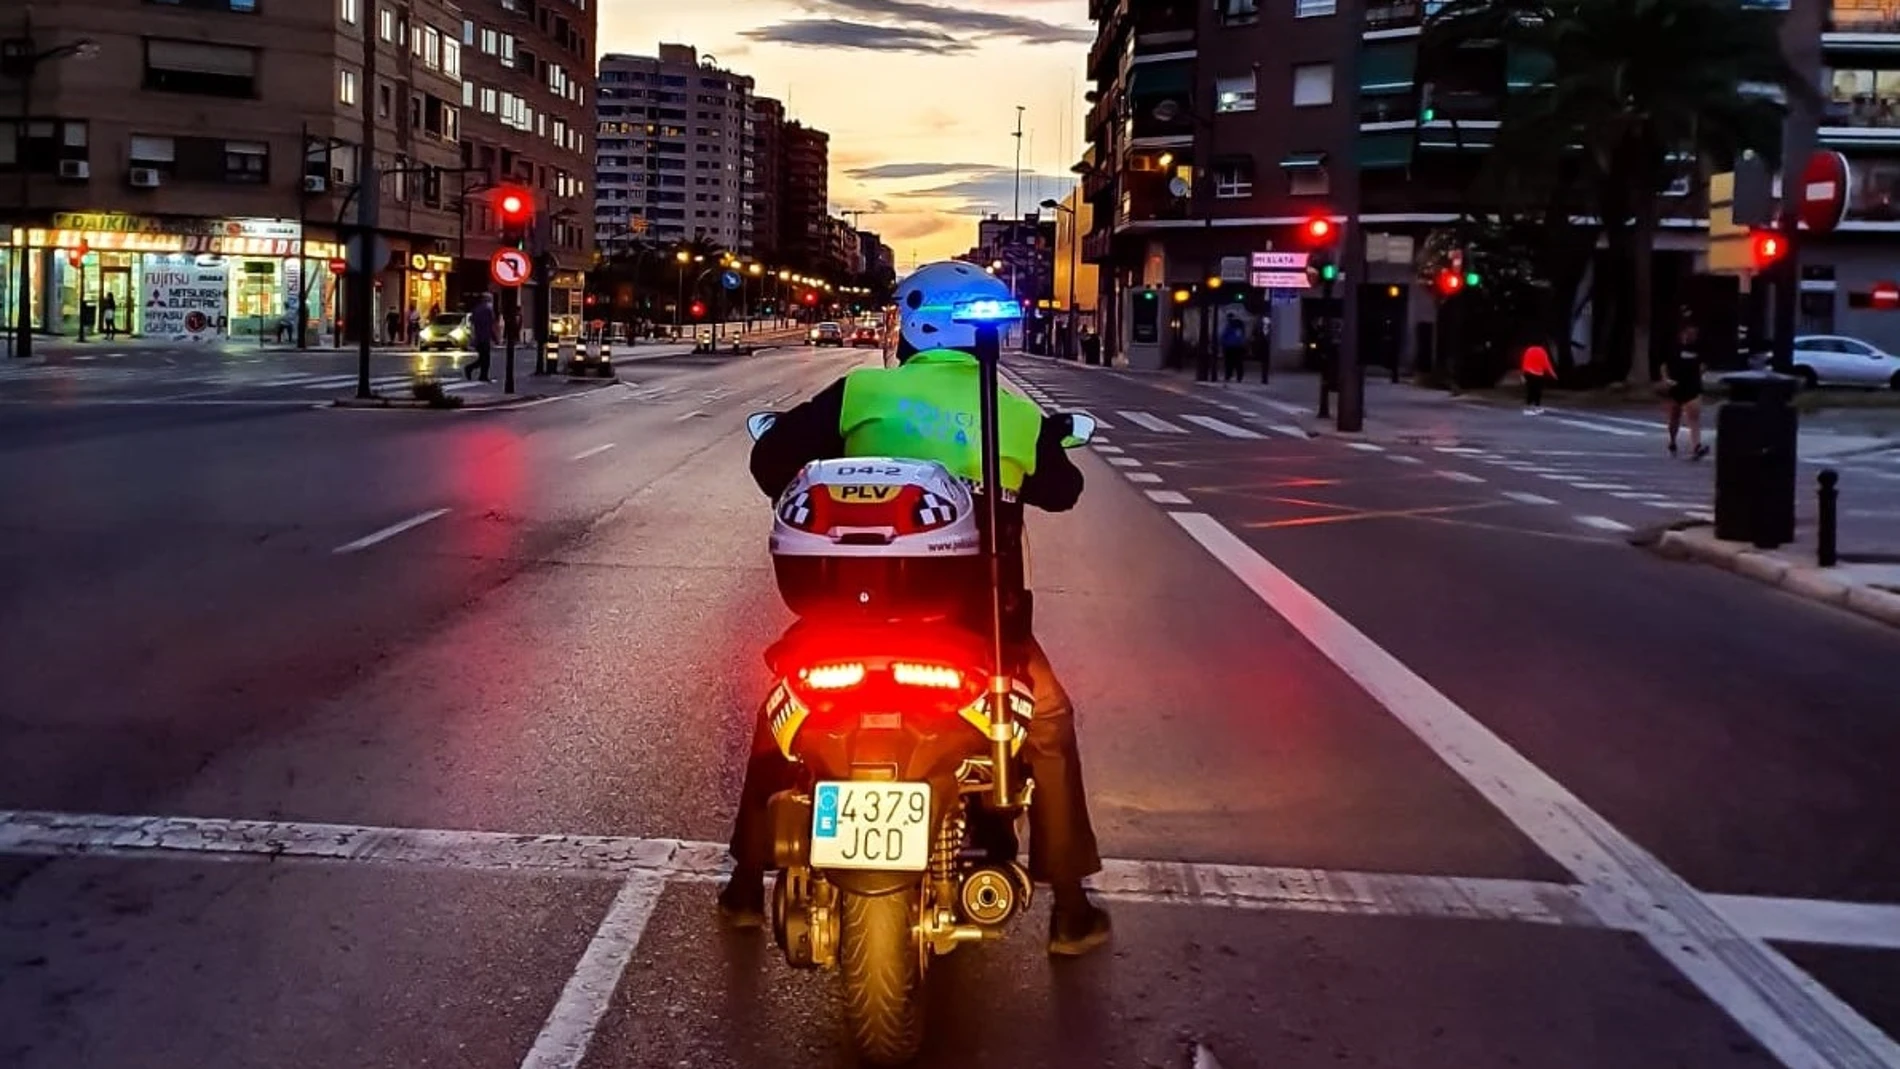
1814,584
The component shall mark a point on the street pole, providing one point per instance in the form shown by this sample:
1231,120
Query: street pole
23,249
1798,137
543,294
369,193
1016,216
511,326
1352,270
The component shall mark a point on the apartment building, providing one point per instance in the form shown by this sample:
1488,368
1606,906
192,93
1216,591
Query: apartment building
768,152
528,98
804,239
675,156
193,161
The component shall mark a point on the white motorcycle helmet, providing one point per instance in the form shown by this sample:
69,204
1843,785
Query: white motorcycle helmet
928,296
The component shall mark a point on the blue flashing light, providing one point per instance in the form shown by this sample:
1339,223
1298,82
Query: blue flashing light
986,311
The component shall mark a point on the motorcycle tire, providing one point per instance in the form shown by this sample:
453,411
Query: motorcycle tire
883,981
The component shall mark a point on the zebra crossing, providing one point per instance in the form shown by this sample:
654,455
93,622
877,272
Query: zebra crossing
217,379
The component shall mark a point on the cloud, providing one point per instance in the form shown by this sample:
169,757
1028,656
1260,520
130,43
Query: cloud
836,33
956,20
992,190
923,225
887,171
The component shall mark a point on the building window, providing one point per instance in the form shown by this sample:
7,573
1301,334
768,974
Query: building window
349,11
1306,9
468,33
1234,94
247,161
1312,85
1233,179
385,100
346,87
490,101
451,57
468,94
154,153
1868,98
1238,10
197,67
1308,181
386,23
245,7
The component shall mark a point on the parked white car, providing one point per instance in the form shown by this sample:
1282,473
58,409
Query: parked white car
1836,360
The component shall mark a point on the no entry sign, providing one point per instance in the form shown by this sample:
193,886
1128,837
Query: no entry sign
339,265
1823,193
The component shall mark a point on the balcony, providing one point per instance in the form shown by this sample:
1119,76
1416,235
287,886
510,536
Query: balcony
1110,33
1863,108
1877,18
1098,246
1385,16
1398,108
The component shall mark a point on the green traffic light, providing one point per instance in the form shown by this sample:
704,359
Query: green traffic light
1329,272
1471,278
1428,114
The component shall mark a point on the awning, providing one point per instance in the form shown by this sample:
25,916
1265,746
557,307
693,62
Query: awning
1303,161
1151,80
1388,67
1384,152
1525,68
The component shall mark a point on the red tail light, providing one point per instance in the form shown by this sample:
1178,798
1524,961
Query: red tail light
832,676
934,676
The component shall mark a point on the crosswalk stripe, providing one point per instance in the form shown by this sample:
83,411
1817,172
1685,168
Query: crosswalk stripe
1221,426
1366,447
325,384
1150,422
1287,429
1398,459
1603,523
1461,477
1167,497
1601,428
1524,498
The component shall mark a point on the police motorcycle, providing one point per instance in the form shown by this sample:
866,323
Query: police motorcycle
905,727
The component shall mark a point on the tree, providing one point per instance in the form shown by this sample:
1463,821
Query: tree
1633,92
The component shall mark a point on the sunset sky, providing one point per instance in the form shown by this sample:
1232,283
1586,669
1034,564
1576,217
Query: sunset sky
919,98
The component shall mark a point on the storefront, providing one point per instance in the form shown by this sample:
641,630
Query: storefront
179,279
428,283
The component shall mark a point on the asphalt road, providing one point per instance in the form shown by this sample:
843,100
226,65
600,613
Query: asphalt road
406,738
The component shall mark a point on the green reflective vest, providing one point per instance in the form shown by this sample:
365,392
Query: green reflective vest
927,409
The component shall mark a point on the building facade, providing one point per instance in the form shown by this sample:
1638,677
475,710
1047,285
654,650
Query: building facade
528,98
1218,130
766,192
804,199
195,167
675,155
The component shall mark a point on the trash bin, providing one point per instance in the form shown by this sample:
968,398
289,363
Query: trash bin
1755,460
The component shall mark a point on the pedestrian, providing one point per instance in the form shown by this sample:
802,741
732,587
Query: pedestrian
1536,367
1684,374
392,327
109,316
1233,349
481,325
1263,345
1091,346
415,323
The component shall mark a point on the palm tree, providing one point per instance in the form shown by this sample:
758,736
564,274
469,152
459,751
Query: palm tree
1634,88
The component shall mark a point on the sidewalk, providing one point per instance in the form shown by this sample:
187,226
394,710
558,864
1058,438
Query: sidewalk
1871,589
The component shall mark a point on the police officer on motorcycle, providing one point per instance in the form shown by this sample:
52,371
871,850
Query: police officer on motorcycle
900,412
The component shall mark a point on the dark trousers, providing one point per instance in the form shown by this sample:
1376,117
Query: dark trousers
1236,359
483,352
1533,391
1062,845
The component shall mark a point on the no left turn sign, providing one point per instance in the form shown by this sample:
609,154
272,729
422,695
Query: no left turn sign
509,267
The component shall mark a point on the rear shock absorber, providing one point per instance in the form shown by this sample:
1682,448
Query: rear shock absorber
944,853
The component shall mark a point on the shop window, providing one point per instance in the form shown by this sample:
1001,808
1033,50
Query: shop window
247,161
200,68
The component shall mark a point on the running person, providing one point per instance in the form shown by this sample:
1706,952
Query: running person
1684,373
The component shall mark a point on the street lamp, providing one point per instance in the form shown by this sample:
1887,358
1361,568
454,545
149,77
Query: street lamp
20,59
683,258
1075,240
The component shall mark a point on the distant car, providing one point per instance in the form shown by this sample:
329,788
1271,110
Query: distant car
865,336
826,334
450,330
1837,360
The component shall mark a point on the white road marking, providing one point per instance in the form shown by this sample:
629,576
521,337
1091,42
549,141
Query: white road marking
694,414
1603,523
1142,477
1602,428
1221,426
1108,449
1786,1011
1366,447
1637,495
594,452
1124,462
1204,1058
1460,477
1288,407
1458,450
1600,486
1167,497
1806,920
329,383
570,1027
1287,429
1154,423
391,531
1398,458
1705,517
1668,504
1523,498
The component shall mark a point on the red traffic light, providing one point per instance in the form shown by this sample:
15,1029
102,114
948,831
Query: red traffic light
699,309
1767,247
1450,282
512,204
811,298
1319,230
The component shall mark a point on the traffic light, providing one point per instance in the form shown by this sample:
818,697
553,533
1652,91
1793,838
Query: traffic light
811,298
1328,271
1450,282
1319,230
1767,248
514,207
699,309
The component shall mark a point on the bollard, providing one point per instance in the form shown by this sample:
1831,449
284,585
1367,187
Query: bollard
1826,530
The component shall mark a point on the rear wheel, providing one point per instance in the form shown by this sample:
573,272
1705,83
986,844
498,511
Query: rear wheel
1809,380
883,979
